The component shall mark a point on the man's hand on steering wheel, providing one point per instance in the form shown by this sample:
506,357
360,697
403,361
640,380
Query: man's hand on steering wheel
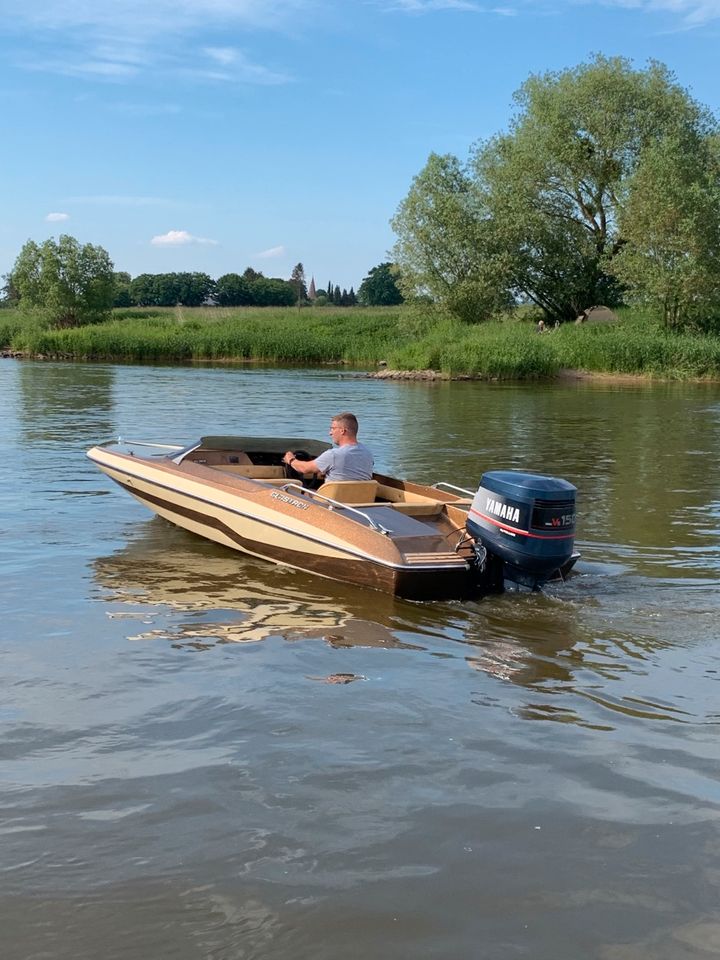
289,460
309,477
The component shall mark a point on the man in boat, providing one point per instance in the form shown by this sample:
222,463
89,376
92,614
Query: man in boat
347,460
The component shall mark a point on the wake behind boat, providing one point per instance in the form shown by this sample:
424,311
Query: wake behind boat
412,540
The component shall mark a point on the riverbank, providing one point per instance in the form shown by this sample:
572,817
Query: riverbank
568,376
402,342
437,376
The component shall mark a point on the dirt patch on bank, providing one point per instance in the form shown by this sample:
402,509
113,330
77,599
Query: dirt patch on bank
386,374
569,375
566,376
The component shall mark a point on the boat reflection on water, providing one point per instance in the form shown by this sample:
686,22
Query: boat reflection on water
170,585
198,595
565,665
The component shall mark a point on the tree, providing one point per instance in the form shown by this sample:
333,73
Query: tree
74,284
9,297
379,288
297,282
671,225
170,289
123,297
537,212
272,292
232,290
555,186
144,290
193,289
446,246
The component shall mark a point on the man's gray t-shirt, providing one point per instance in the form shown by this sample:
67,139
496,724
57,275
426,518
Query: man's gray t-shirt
350,462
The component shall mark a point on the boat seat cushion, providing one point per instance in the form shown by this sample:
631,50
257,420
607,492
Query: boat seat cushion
419,509
350,491
253,471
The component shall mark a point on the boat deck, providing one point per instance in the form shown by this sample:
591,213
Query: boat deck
395,521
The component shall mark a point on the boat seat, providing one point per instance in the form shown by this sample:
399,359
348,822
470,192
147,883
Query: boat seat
419,509
253,471
350,491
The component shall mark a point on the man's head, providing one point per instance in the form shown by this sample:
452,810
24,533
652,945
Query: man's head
343,426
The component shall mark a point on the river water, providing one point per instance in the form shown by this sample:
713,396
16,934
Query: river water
525,776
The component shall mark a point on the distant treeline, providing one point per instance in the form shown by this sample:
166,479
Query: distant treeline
64,283
249,289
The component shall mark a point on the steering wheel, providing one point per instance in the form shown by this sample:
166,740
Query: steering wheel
311,481
290,472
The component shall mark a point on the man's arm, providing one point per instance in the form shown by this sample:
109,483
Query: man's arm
302,466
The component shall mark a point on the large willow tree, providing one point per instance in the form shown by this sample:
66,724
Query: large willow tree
71,283
541,213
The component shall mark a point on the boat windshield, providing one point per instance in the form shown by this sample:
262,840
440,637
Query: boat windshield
262,447
180,456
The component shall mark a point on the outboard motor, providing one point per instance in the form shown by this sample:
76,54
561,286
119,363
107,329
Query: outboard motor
527,521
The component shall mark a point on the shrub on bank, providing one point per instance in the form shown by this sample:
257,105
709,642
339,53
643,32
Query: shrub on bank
506,351
10,324
14,323
512,350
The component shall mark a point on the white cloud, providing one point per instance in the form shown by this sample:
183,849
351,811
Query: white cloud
57,217
146,109
118,200
179,238
235,67
272,252
693,13
121,40
87,67
427,6
136,18
224,55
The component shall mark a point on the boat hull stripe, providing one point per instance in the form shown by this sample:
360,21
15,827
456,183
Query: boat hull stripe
214,503
519,530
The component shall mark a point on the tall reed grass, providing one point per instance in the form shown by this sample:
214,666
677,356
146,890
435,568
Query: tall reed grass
281,335
410,338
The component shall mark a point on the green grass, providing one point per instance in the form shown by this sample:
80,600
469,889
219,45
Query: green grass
280,335
409,338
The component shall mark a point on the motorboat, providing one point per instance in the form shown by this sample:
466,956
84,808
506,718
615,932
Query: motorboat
411,540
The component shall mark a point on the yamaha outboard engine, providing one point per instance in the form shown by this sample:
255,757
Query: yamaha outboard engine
527,522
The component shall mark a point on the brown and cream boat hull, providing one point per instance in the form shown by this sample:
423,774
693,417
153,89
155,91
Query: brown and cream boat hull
395,536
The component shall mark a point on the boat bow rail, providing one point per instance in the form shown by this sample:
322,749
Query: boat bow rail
121,441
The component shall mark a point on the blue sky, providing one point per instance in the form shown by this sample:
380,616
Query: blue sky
214,135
